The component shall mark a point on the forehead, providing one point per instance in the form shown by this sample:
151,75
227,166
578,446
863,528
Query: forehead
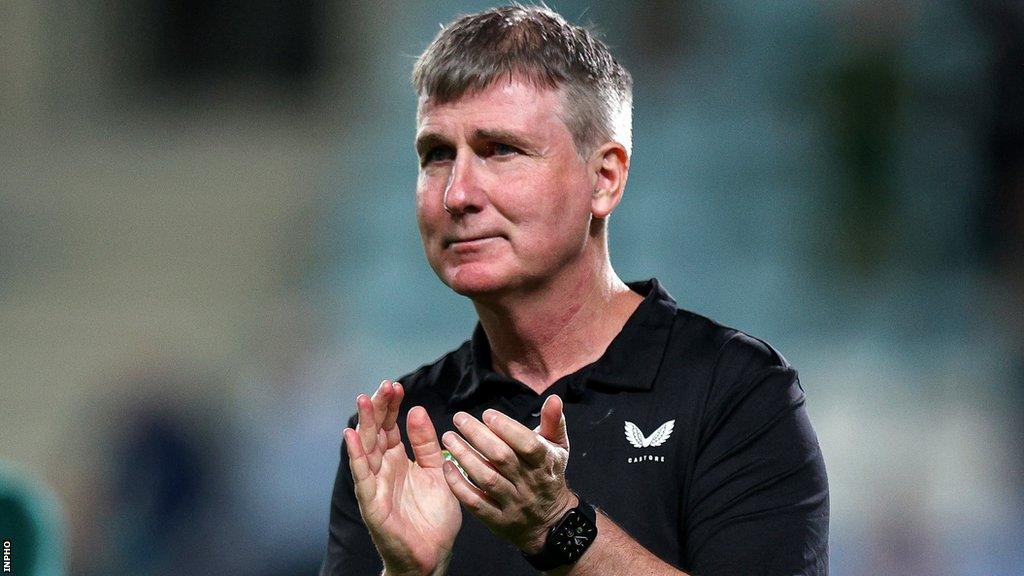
509,103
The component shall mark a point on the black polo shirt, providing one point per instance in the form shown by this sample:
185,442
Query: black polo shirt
691,436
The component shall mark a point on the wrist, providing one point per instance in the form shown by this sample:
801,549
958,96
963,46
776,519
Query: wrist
394,571
439,570
538,539
403,568
568,540
398,569
442,567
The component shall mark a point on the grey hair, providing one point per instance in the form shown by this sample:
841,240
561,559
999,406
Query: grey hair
537,45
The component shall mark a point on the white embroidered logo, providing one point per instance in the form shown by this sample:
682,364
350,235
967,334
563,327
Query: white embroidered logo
657,438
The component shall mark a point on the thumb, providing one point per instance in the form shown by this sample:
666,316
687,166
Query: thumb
423,438
552,422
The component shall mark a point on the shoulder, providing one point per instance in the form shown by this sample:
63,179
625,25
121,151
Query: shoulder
727,361
722,346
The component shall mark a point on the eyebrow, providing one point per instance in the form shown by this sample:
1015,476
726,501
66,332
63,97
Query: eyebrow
503,135
425,142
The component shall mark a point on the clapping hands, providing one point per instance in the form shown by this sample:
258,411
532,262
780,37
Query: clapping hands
514,479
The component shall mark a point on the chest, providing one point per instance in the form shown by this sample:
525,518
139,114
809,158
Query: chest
632,459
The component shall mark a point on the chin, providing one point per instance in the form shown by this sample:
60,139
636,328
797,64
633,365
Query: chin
475,287
476,281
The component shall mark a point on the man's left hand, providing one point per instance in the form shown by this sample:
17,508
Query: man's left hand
518,487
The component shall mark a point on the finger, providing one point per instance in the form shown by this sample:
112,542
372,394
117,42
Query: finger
367,425
552,422
368,431
485,476
488,444
395,395
527,445
362,477
423,439
390,422
381,399
470,496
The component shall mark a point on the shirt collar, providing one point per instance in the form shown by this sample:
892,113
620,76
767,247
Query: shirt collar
630,362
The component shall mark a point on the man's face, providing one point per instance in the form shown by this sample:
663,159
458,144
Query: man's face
518,194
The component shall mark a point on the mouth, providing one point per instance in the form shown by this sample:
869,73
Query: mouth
470,241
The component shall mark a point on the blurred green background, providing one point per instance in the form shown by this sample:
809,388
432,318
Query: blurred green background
208,248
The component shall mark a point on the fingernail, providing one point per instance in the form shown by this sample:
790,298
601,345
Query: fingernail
460,418
446,438
449,467
490,415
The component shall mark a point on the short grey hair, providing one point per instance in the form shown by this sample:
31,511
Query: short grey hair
538,45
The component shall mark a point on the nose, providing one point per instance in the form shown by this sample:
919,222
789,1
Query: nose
462,192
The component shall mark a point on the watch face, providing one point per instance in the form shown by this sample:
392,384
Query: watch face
574,535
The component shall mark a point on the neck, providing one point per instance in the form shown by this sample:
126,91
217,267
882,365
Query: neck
555,329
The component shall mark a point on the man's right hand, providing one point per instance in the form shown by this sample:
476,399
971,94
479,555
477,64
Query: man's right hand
409,510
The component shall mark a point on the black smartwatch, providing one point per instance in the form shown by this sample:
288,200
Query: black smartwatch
568,539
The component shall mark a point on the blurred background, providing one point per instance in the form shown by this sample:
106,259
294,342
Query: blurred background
208,248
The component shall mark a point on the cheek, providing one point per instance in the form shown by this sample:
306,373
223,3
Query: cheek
541,199
427,208
552,227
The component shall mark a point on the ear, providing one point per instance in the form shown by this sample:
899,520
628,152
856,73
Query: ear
609,167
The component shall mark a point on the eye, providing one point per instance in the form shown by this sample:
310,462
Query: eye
437,154
501,149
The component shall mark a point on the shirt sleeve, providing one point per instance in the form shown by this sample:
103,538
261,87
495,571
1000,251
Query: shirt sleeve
758,499
350,552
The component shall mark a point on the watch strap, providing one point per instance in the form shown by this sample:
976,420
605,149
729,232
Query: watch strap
549,558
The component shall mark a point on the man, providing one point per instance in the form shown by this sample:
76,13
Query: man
690,450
